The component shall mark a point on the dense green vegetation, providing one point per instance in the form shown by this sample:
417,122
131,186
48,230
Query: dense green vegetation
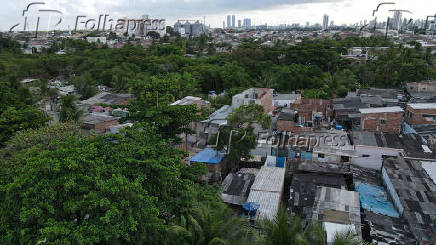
60,185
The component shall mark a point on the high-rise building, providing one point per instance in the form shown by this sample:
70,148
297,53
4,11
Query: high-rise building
224,25
325,22
396,21
233,21
247,23
229,21
332,23
239,23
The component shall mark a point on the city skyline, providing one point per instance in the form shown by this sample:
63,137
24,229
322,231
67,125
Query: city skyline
274,12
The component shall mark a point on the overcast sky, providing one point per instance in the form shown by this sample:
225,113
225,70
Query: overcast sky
273,12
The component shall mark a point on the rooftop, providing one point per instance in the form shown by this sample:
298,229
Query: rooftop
188,100
337,206
375,199
415,191
267,191
381,110
287,115
220,116
303,190
97,118
236,187
412,144
422,106
209,156
286,96
107,98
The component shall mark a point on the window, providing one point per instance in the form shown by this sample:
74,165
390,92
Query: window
345,159
321,156
382,121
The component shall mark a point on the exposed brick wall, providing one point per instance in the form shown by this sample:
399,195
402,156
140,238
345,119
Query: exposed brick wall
373,122
415,117
308,106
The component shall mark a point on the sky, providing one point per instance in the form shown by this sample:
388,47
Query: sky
272,12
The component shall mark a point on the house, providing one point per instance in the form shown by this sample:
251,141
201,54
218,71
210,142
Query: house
381,223
421,113
382,119
267,192
371,147
312,110
338,210
303,190
346,111
98,123
287,121
215,162
206,128
236,186
411,186
424,86
285,100
323,146
259,96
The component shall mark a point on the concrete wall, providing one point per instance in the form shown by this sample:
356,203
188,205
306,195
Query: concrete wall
421,87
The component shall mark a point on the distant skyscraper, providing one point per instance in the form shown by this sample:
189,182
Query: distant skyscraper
233,21
396,22
325,22
224,25
229,21
239,23
247,23
332,23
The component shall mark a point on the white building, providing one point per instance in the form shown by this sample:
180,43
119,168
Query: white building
325,22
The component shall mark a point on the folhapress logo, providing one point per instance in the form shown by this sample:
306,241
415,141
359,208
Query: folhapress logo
33,23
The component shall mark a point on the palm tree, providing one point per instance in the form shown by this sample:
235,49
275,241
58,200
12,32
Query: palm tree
348,237
69,111
208,226
285,229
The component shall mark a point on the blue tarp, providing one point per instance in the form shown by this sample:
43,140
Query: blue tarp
280,162
375,199
251,208
209,156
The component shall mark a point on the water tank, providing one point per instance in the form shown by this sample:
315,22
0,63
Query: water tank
338,127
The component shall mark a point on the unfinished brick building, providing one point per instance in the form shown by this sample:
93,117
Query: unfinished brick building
382,119
309,109
421,113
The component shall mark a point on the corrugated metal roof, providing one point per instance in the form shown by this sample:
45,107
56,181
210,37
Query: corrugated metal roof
269,203
430,168
267,190
269,179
